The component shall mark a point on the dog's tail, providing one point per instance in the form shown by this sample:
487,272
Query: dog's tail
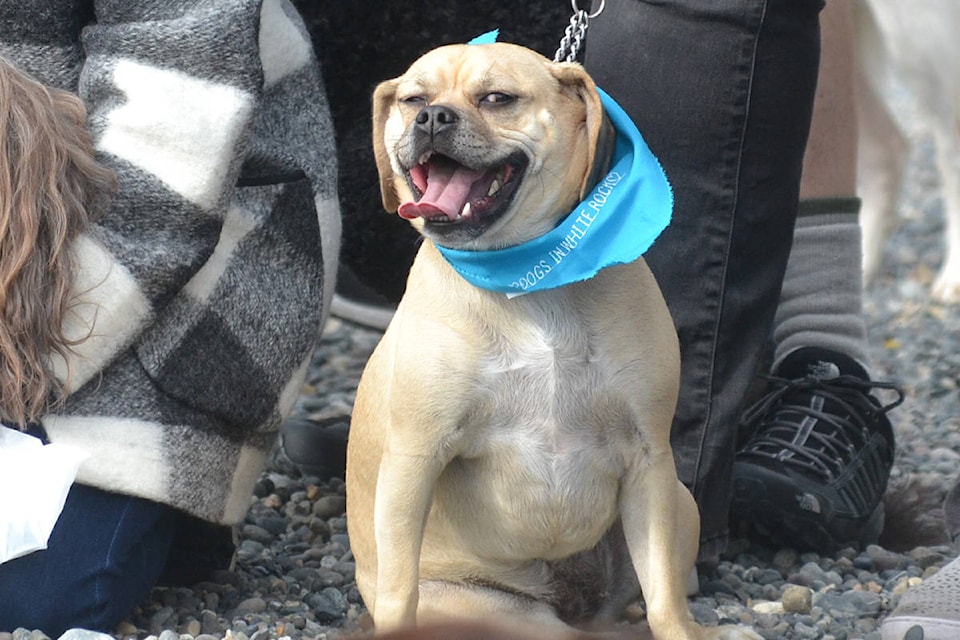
50,188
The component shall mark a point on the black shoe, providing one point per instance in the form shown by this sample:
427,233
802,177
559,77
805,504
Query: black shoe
317,447
198,550
358,302
815,467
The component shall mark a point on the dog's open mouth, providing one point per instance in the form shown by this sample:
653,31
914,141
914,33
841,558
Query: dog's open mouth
449,193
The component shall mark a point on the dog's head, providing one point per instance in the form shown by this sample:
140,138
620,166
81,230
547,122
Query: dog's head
485,146
50,187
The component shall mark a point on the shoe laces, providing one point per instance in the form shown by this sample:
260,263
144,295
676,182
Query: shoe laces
816,425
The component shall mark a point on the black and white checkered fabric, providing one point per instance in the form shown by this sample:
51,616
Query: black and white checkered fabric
205,286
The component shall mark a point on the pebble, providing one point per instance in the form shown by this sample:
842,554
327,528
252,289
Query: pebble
768,608
329,506
251,605
797,599
83,634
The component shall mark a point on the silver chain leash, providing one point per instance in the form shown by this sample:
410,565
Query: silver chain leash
572,39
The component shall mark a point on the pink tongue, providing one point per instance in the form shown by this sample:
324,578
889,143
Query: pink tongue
448,187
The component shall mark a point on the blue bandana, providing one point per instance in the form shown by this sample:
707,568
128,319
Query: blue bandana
615,224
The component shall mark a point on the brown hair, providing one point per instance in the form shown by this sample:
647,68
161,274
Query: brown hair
51,187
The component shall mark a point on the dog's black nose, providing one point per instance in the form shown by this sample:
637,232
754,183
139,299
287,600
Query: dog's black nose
436,118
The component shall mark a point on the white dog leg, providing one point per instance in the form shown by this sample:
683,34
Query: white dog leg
882,159
946,288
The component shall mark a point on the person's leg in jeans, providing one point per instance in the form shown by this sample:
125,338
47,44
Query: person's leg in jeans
722,91
103,557
814,470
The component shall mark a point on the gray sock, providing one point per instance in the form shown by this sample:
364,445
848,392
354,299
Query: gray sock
821,303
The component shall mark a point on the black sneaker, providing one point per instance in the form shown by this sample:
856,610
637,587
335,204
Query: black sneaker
198,550
373,267
317,447
361,303
814,470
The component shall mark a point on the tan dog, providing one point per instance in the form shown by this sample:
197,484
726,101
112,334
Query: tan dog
495,442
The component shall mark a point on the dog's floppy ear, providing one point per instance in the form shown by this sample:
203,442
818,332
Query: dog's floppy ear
383,98
575,79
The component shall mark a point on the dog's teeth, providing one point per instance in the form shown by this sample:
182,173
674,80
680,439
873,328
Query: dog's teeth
425,157
465,212
494,187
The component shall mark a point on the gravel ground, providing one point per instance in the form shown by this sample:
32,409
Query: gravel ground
294,571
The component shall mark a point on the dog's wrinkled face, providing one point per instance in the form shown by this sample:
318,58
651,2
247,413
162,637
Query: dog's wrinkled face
485,146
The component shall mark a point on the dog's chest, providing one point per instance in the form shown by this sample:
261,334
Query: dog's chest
550,403
545,373
548,435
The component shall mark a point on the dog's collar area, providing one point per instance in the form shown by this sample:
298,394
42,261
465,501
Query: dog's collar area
603,155
615,224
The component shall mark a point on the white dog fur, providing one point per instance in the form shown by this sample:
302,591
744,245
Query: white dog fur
917,43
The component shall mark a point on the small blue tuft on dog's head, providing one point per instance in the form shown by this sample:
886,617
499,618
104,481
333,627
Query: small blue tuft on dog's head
486,38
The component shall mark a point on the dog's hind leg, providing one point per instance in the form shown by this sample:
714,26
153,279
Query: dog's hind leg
882,159
883,149
946,288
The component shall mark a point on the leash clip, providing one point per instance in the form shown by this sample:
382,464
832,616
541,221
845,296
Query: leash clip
572,40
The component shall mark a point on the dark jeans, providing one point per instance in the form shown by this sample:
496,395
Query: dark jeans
722,91
103,557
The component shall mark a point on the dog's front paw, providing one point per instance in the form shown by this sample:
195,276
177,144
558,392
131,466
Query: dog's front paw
946,288
692,631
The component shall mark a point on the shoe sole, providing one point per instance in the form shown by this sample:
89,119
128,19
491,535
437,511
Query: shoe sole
362,314
919,628
761,509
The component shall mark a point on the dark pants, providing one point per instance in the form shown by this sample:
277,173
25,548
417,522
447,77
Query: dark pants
103,557
722,91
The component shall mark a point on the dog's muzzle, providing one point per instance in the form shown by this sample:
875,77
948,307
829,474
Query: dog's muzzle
452,193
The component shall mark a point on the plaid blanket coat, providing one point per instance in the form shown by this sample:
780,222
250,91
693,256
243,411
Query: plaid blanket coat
204,288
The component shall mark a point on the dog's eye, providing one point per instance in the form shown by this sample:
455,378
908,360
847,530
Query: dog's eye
413,100
497,98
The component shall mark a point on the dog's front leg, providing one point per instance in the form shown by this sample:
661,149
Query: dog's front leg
404,494
662,527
